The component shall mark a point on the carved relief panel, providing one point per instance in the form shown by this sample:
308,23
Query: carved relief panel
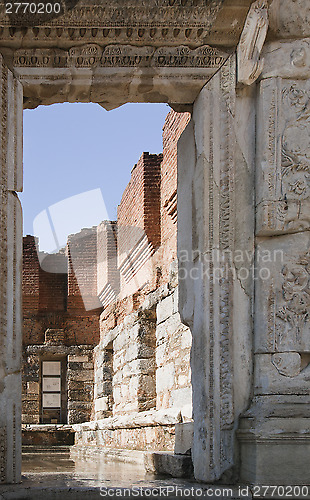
283,169
282,315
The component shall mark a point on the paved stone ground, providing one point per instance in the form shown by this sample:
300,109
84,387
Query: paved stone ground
57,477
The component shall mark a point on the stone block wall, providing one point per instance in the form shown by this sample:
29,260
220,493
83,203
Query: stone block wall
134,364
173,346
77,392
103,381
150,349
80,382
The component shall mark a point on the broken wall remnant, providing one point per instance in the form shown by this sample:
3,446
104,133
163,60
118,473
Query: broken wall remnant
58,328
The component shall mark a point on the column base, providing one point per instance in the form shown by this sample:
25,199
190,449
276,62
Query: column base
274,448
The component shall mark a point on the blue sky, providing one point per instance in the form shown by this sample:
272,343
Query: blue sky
75,148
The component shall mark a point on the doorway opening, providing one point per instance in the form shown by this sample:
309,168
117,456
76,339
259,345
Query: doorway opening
102,331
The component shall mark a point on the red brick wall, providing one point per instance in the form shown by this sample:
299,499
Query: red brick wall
45,294
53,285
31,277
174,125
107,269
140,206
82,274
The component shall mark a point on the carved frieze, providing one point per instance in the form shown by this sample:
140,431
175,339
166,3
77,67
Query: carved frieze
283,296
117,13
156,22
93,55
283,187
295,311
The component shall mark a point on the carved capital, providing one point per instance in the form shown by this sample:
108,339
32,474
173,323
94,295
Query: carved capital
253,36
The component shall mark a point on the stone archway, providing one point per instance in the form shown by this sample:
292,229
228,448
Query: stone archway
178,52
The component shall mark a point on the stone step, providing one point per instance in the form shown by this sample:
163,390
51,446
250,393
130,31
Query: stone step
43,449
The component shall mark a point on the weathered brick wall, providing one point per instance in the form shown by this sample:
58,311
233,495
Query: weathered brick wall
53,299
175,124
82,272
31,275
53,284
138,225
107,262
140,206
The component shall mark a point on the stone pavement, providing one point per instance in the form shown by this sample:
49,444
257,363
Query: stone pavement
58,477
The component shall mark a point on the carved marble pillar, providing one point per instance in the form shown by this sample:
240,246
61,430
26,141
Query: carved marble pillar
275,431
11,108
215,252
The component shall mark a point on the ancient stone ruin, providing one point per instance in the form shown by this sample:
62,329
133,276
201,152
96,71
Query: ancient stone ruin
241,69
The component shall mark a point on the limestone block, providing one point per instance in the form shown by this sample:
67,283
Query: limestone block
121,340
133,387
165,463
184,434
181,397
165,309
33,387
184,379
147,386
83,375
175,299
287,59
101,404
161,354
282,294
165,377
186,339
283,191
138,350
77,359
168,327
139,366
275,449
